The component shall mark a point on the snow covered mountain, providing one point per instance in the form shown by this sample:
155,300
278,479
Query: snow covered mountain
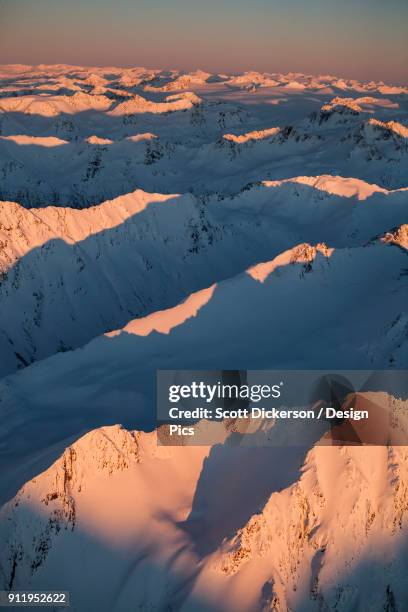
159,219
66,141
69,275
119,504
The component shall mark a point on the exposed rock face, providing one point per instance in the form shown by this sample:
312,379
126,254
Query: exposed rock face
399,236
313,546
315,539
47,505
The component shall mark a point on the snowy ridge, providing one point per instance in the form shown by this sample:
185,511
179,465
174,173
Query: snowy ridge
315,556
117,249
337,185
372,335
154,219
256,135
299,552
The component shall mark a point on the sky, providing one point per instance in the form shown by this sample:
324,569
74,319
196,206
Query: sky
363,39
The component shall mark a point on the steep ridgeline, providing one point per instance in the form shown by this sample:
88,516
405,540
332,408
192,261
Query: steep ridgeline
167,536
70,275
318,546
309,302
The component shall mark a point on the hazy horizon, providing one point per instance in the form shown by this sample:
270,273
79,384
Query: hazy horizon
363,39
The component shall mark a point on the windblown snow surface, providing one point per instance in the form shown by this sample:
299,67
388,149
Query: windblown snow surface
157,219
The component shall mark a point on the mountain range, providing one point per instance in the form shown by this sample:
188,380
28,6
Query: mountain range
156,219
